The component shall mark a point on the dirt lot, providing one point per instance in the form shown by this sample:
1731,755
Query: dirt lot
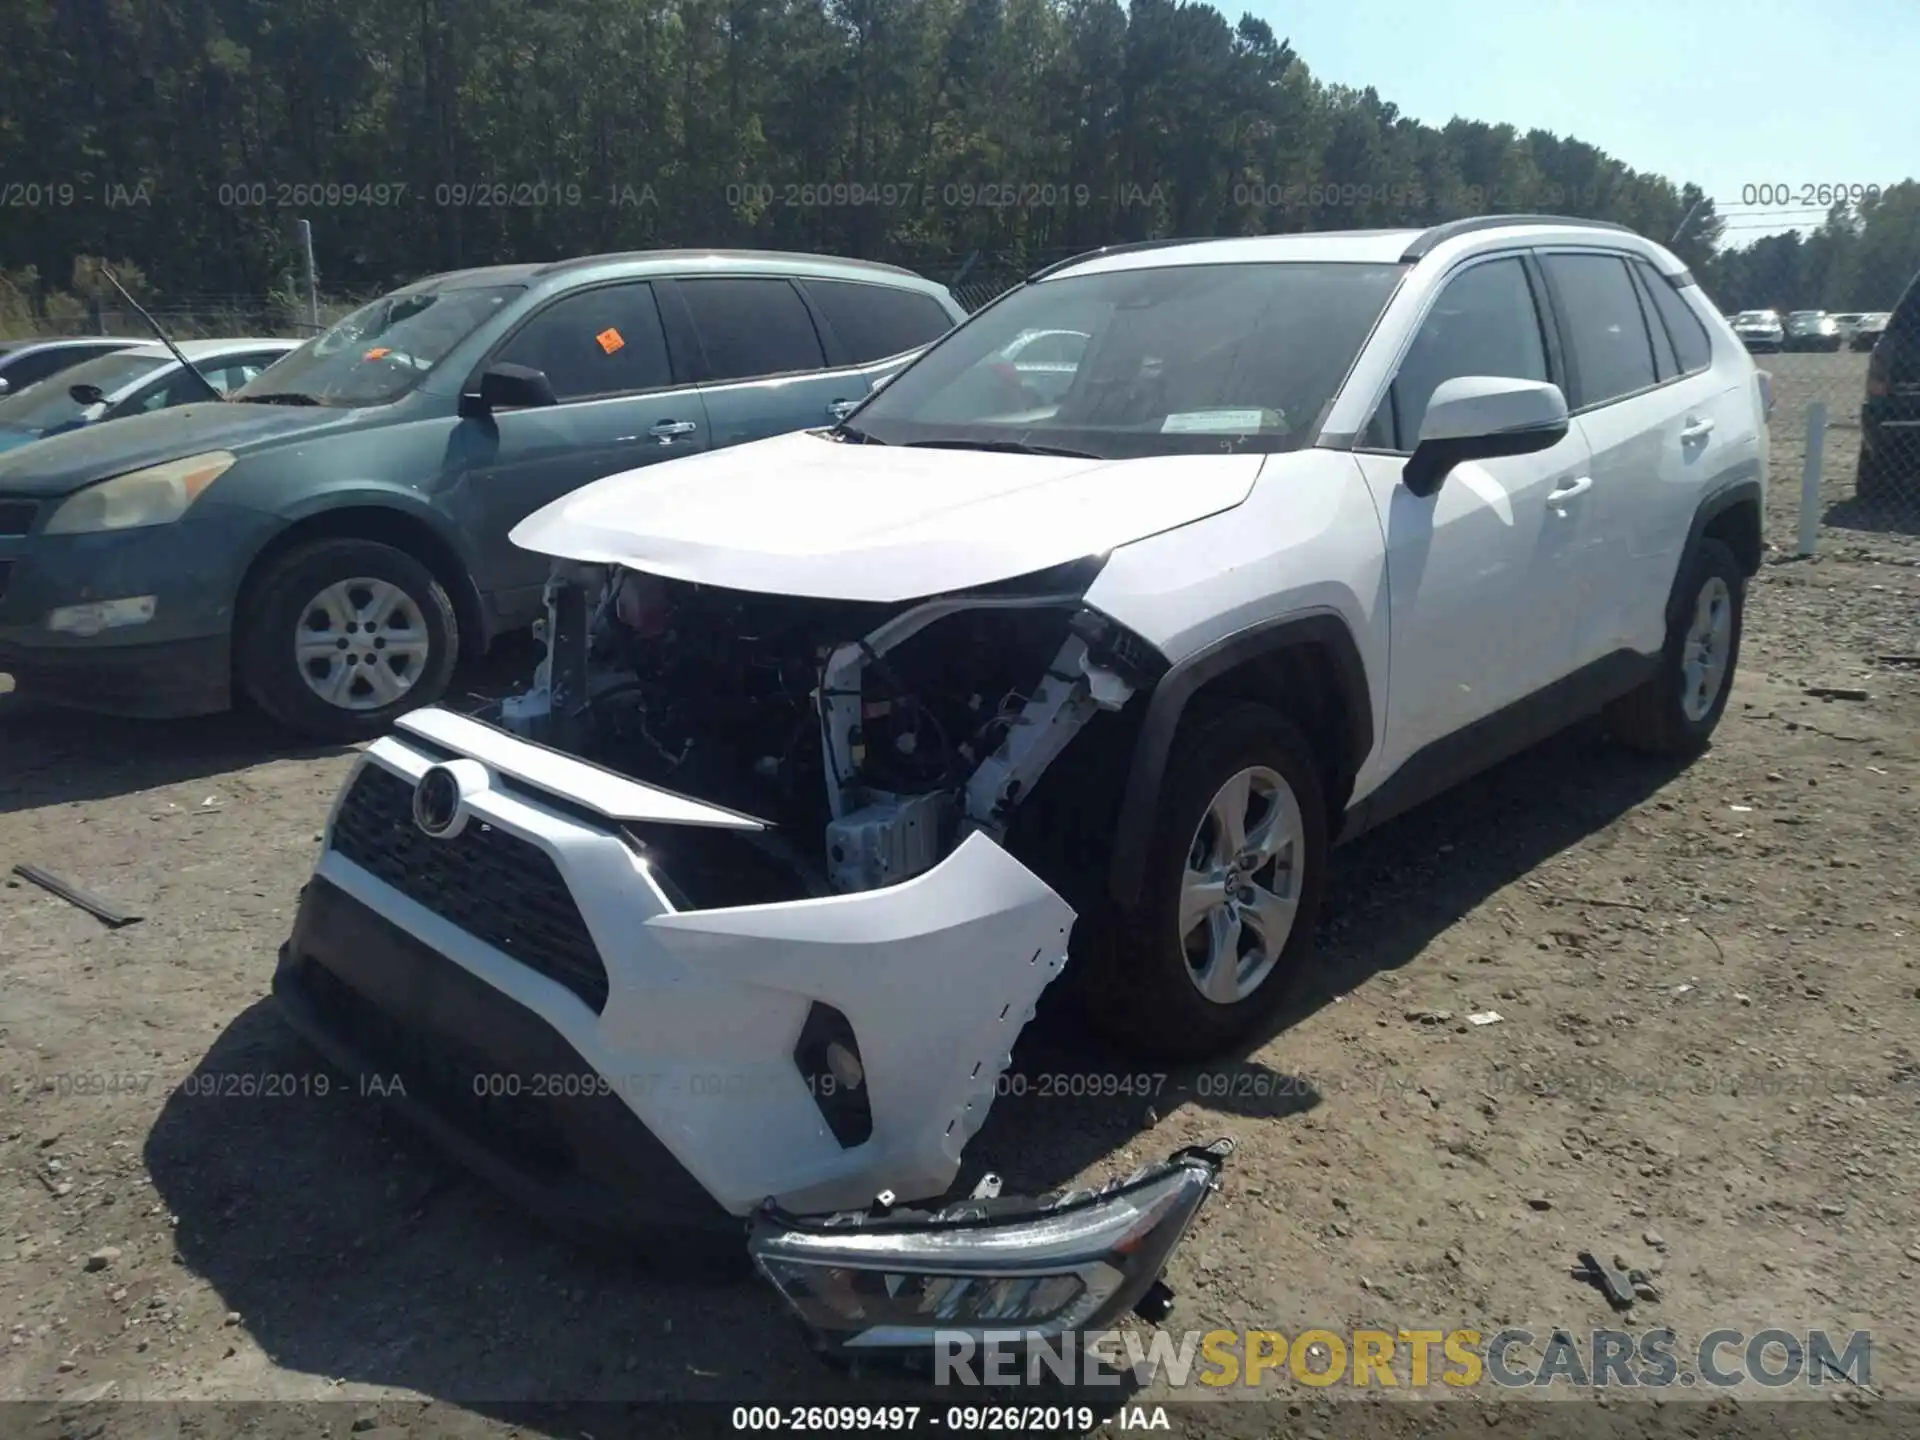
1708,1061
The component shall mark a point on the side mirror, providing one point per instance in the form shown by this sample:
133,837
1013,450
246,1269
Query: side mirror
1483,417
508,387
86,394
5,385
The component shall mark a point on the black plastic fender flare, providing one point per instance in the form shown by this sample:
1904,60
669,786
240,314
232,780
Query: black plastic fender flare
1323,630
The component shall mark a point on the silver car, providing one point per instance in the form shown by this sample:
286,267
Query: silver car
131,381
1760,330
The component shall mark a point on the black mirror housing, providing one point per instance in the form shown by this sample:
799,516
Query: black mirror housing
508,387
86,394
1432,460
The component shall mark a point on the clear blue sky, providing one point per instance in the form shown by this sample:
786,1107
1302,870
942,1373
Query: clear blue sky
1725,93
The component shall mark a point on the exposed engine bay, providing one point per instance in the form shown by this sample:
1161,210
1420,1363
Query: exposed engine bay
870,739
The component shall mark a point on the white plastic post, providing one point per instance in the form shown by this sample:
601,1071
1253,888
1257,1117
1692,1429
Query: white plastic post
1810,477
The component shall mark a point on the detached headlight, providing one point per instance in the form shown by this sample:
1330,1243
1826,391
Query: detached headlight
157,495
908,1281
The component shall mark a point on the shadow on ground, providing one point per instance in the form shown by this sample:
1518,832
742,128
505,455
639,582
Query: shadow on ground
352,1251
1898,516
59,757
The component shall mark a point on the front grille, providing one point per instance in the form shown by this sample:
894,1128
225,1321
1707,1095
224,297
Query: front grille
493,885
16,516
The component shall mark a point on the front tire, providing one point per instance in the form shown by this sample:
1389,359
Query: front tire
1676,711
1233,879
341,636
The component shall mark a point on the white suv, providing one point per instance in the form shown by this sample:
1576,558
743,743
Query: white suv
845,740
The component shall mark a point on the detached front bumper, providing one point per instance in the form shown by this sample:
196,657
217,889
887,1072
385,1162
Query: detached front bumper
554,1017
487,944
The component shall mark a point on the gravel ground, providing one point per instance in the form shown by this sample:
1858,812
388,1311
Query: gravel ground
1708,1061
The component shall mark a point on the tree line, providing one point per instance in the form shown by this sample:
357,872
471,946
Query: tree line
187,135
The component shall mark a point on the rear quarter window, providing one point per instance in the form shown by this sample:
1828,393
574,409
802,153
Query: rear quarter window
871,322
1689,336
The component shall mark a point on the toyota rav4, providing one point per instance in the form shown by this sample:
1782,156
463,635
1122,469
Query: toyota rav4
847,743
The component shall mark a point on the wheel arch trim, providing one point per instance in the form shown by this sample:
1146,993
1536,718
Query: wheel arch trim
1168,706
359,514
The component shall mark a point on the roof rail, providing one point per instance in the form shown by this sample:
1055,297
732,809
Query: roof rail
581,262
1128,248
1447,230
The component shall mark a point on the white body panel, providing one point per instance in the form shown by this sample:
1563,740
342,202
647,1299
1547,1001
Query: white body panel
937,974
1306,541
1487,578
804,515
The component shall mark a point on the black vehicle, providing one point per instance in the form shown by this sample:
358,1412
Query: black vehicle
1890,418
26,362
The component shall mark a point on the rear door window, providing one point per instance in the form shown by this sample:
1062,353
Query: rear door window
1609,348
871,322
596,342
752,327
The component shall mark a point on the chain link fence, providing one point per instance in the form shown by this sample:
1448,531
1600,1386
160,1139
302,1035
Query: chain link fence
1845,449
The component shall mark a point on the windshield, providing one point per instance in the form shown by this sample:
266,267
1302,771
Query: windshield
1171,360
380,351
47,404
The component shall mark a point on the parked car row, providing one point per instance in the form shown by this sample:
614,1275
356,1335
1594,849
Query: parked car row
1765,332
327,539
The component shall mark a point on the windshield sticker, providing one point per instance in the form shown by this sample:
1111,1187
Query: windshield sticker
1223,422
610,340
379,352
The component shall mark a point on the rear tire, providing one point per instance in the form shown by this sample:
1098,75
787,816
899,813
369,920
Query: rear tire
341,636
1675,711
1147,971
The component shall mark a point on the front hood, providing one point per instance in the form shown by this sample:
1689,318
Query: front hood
804,515
61,464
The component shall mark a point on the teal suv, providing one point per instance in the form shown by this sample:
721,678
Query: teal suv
330,538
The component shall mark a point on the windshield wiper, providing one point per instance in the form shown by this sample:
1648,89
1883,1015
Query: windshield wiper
1009,447
844,431
277,397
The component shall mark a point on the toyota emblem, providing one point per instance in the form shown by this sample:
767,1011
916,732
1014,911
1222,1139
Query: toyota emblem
436,802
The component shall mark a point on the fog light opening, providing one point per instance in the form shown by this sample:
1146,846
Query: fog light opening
828,1058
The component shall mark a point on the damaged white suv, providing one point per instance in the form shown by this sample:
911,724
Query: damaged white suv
846,740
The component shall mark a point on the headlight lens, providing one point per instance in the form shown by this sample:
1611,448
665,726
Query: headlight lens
905,1282
157,495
